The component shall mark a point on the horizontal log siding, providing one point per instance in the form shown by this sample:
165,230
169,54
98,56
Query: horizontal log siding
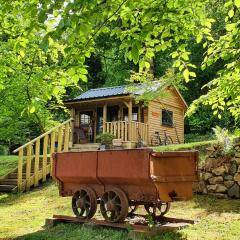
172,103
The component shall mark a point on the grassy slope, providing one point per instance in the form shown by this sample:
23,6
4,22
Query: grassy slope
7,164
23,215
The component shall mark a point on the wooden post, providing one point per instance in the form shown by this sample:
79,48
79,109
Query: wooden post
36,164
104,117
139,113
20,166
130,120
66,138
72,127
44,163
28,166
60,137
52,150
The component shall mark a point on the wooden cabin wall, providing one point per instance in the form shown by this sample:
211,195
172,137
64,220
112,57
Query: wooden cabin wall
171,102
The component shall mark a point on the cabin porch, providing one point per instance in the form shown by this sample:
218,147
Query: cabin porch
122,117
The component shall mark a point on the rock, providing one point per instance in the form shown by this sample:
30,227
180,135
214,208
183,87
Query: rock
207,175
210,164
220,188
198,187
219,195
233,169
238,169
211,188
237,154
237,177
228,183
236,159
205,191
234,191
219,170
215,180
227,167
228,177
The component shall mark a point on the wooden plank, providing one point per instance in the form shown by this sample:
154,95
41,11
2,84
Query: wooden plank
44,163
36,164
66,138
28,167
20,166
60,139
52,149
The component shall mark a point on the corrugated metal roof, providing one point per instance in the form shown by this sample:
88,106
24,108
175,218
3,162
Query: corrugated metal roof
103,92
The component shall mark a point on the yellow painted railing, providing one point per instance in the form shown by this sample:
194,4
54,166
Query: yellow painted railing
120,129
35,157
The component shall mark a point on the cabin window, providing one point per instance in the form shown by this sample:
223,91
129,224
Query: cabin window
134,114
167,118
84,119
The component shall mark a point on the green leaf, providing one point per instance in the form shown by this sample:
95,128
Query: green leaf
83,71
32,109
186,75
83,77
192,74
135,54
237,3
231,13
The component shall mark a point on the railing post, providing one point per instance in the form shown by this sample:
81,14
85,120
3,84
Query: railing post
60,137
104,117
72,133
130,120
28,166
36,165
66,137
52,150
44,163
20,166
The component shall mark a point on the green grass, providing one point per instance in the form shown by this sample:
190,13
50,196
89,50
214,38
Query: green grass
7,164
185,146
23,215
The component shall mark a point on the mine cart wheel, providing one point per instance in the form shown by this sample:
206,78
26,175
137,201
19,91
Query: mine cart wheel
114,205
84,203
157,210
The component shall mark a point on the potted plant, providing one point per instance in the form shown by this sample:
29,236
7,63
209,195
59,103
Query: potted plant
106,140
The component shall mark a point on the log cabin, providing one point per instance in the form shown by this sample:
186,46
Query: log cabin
115,110
112,110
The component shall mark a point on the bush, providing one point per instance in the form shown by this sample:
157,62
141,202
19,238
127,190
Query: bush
224,145
105,138
3,150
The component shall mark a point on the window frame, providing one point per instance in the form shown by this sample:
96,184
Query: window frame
166,112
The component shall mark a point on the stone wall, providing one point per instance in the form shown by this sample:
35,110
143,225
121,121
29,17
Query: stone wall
220,175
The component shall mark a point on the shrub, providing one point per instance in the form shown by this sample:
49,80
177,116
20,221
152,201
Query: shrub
3,150
224,145
105,138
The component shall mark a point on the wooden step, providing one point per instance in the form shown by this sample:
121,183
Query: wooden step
8,188
8,181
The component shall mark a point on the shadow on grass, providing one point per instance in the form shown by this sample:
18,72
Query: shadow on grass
78,232
212,204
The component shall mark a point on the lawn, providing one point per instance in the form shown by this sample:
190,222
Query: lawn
7,164
22,217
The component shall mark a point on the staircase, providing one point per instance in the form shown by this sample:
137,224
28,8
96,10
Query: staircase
84,147
10,182
35,159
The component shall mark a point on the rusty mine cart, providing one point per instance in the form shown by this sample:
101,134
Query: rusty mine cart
121,180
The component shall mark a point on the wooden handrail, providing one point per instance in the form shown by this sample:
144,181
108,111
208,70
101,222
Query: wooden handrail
43,135
36,162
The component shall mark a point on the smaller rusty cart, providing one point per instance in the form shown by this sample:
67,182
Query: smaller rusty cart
121,180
